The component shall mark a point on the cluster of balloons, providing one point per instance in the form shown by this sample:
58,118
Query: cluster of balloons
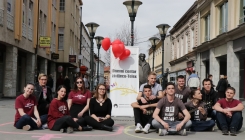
118,48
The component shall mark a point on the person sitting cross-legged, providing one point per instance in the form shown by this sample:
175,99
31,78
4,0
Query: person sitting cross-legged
229,113
143,111
170,106
198,112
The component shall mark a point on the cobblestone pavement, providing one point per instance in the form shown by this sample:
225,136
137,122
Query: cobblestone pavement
123,130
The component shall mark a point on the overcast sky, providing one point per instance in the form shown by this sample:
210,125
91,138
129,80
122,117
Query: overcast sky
112,14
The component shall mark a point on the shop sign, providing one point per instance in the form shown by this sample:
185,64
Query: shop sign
44,42
72,58
54,56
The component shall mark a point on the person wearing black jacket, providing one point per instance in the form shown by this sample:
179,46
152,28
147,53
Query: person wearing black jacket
209,95
222,86
43,94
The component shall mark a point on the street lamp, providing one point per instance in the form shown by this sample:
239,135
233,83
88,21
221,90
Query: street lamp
92,29
163,28
98,40
154,41
132,6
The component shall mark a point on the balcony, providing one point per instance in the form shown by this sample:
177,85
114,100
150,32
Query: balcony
1,17
223,29
23,29
10,22
29,33
242,19
207,37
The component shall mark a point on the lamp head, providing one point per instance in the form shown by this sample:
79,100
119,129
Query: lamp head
132,6
163,28
92,28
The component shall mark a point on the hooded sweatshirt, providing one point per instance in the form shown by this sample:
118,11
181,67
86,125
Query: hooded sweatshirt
209,97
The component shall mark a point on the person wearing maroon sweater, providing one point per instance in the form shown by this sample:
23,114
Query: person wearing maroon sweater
27,116
78,101
59,118
100,109
229,113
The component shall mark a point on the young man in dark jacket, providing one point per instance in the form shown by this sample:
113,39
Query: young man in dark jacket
43,94
209,95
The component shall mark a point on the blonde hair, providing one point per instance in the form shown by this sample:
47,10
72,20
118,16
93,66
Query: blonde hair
152,73
41,75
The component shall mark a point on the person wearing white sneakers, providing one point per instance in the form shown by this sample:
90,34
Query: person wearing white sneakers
166,114
27,116
143,111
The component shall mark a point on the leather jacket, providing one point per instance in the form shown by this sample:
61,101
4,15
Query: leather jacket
39,90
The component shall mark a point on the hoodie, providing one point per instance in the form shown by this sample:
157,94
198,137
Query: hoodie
211,97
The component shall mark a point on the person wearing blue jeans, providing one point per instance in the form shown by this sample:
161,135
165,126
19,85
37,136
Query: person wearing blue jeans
229,113
27,116
198,111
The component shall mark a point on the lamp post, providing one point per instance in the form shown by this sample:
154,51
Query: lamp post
163,28
92,29
154,41
98,40
132,6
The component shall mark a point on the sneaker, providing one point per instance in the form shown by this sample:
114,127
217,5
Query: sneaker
212,129
182,132
233,131
62,130
138,128
87,128
146,129
225,131
69,130
162,132
26,127
45,126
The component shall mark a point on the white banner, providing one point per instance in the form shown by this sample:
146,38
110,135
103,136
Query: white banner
124,83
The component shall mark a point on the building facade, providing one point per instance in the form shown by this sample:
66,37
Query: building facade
184,37
22,23
222,42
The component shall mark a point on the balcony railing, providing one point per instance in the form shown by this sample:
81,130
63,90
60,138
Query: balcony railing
29,33
207,38
10,21
223,29
242,19
24,29
1,17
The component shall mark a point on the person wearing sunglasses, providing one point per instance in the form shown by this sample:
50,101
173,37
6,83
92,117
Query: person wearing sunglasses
78,101
100,110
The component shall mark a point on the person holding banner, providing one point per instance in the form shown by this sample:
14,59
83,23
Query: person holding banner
143,111
155,88
166,114
100,110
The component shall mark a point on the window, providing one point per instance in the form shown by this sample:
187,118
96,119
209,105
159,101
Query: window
192,38
9,6
61,39
186,44
223,17
242,12
62,5
207,27
30,14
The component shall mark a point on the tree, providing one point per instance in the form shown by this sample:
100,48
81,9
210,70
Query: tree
123,34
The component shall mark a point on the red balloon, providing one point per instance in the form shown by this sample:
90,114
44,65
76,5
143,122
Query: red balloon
118,49
125,54
117,41
106,43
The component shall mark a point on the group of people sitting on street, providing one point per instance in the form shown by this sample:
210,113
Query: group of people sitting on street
37,109
179,108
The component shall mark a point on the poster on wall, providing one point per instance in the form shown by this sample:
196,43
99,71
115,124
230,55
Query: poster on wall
124,83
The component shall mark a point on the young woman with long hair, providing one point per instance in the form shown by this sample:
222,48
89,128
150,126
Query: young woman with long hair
78,101
59,118
100,110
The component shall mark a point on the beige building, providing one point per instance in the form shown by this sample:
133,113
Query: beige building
221,42
184,39
22,22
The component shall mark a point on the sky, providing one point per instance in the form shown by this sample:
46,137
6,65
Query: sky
112,15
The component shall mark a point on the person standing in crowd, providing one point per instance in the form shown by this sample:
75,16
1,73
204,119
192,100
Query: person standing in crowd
166,114
210,76
155,88
43,95
228,84
198,113
27,116
67,84
50,82
78,101
60,81
100,110
181,91
193,81
143,111
85,79
221,87
229,113
209,95
58,115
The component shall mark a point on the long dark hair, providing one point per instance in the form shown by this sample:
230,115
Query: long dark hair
192,93
58,89
83,85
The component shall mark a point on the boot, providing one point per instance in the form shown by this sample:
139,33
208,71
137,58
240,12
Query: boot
87,128
107,128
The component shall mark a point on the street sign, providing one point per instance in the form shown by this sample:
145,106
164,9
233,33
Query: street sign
54,56
45,42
